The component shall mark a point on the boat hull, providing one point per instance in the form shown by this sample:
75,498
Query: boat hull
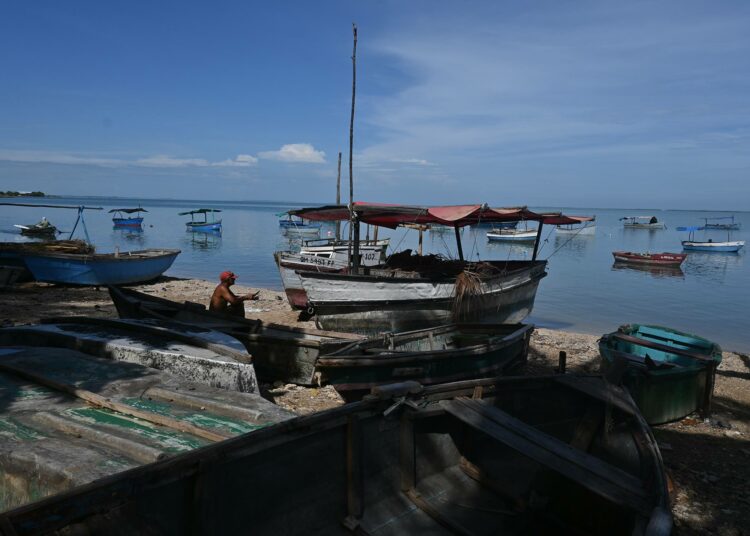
100,269
658,225
10,274
213,226
650,259
127,222
512,235
666,386
370,304
726,247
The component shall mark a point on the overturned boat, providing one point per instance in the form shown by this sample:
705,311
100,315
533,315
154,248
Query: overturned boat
550,455
413,291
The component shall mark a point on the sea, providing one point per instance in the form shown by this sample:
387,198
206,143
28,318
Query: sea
585,291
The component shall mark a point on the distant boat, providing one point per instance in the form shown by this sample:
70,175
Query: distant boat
512,235
710,244
205,225
670,374
730,226
587,227
119,220
642,222
118,268
42,229
657,259
298,226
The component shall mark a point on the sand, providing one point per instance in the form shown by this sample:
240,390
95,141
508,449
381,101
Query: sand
707,460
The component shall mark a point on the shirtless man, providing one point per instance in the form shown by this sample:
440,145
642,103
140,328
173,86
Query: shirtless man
225,301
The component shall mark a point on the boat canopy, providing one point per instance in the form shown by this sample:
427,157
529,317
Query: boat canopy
387,215
199,211
720,218
128,210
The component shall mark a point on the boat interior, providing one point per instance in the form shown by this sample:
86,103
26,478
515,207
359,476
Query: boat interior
407,264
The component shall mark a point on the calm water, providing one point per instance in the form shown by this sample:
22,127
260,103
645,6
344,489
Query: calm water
584,292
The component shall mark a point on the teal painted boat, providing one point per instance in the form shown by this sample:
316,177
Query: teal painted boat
670,374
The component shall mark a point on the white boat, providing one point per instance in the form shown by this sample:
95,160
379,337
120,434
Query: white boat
323,256
642,222
512,235
710,245
414,291
587,227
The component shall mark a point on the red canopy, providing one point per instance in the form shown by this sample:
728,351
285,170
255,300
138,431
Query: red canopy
392,216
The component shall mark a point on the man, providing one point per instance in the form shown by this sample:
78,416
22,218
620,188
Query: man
225,301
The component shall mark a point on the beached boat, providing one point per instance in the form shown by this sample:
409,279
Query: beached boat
12,253
512,235
551,455
196,354
204,224
587,227
669,373
326,256
42,229
116,268
413,291
70,419
654,259
122,217
279,352
723,223
429,356
642,222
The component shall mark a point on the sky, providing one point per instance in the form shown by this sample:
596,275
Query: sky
559,103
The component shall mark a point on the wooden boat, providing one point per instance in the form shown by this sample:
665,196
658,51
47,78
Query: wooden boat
413,291
551,455
196,354
512,235
642,222
12,253
727,246
42,229
670,374
69,419
117,268
202,224
279,352
587,227
429,356
121,217
654,259
9,275
325,256
718,223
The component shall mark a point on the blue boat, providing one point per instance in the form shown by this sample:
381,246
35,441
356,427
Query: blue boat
298,226
205,225
118,268
120,218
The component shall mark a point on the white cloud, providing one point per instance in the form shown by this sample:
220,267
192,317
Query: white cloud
156,161
296,152
241,160
163,160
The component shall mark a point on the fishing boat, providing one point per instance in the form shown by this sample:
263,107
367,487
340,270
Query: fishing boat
642,222
723,223
279,352
653,259
326,255
411,292
41,229
550,455
205,223
122,217
69,419
726,246
586,227
512,235
298,224
118,268
196,354
670,374
429,356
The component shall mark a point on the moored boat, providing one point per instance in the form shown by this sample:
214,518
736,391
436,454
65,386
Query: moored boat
670,374
642,222
445,353
562,455
709,245
586,227
116,268
512,235
41,229
205,224
655,259
723,223
122,217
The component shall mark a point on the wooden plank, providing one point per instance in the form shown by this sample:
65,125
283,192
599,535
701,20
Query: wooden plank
415,497
596,475
98,400
659,346
600,390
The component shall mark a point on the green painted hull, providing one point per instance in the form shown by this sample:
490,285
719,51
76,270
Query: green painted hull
666,385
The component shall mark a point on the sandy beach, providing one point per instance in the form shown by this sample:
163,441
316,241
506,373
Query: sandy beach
707,459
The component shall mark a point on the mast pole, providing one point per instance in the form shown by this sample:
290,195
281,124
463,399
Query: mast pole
354,258
538,239
338,197
458,242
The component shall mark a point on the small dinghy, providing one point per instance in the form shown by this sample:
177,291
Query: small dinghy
42,229
549,455
651,259
670,374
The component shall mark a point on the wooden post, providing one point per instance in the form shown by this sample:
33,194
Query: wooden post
562,362
355,245
354,264
536,242
419,249
458,242
338,197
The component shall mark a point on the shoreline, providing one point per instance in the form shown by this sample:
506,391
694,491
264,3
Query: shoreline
707,459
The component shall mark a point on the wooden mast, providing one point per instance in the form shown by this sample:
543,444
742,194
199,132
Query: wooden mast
354,225
538,239
338,197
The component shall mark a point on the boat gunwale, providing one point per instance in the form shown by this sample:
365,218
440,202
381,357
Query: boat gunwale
135,255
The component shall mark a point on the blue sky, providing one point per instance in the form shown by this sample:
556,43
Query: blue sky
605,104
